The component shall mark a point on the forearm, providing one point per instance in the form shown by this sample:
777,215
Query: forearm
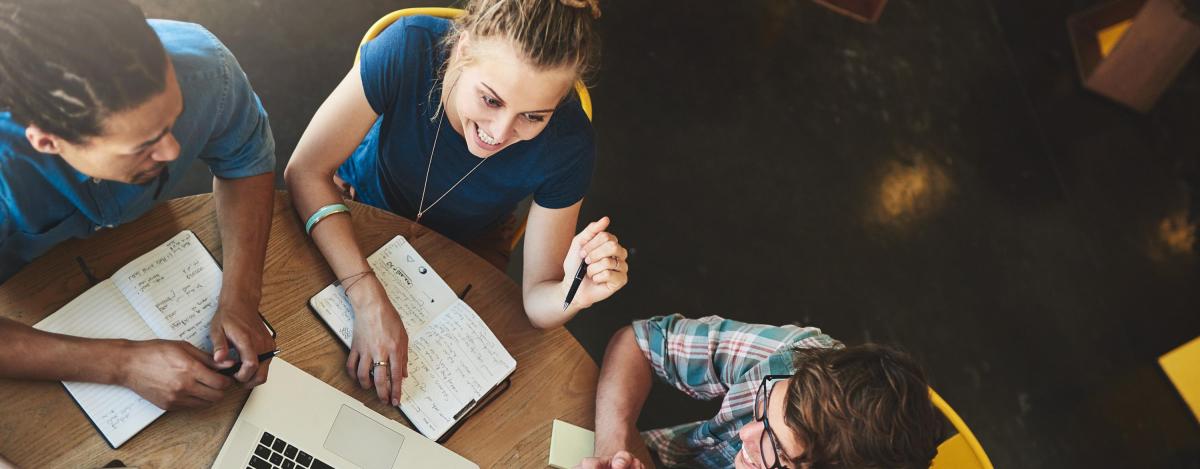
28,353
544,304
244,208
334,235
625,380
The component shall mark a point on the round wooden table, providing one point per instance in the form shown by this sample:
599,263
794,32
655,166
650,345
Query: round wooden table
40,427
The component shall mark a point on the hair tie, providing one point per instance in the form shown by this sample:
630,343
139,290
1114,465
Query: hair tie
593,5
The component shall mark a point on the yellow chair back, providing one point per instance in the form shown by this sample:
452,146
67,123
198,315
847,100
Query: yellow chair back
962,451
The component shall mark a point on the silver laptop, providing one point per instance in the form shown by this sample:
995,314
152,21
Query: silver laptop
296,421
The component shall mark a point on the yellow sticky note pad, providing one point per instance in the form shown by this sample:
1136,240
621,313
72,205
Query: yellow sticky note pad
569,444
1182,366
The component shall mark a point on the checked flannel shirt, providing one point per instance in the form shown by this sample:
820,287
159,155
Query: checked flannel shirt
711,358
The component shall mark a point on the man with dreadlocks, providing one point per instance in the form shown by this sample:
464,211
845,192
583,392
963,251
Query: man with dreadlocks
98,106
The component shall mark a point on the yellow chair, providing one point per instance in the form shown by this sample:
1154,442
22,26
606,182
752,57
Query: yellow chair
961,451
585,99
1182,367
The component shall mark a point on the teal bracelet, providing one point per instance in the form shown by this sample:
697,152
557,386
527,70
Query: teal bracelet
323,212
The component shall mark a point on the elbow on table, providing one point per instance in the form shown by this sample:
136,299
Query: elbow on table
542,322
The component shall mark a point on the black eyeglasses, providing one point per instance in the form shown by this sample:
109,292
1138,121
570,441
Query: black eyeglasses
761,399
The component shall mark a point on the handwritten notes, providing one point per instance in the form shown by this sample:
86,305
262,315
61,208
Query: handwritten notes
168,293
174,288
103,313
454,360
415,290
453,357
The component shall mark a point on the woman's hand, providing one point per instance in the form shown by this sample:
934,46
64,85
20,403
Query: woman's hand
607,270
379,336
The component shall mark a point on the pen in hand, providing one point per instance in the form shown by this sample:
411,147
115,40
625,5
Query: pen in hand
579,274
262,357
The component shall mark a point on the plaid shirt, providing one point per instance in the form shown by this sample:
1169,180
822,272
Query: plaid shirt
709,358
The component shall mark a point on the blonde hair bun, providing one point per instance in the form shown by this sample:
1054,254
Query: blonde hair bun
593,5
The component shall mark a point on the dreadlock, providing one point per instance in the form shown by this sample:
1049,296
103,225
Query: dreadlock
65,65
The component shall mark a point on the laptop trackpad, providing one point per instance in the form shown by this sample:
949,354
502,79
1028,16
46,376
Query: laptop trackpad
363,441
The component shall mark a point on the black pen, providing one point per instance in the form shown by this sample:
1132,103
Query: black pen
579,274
262,357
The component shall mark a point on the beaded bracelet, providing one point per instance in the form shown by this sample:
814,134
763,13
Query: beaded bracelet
323,212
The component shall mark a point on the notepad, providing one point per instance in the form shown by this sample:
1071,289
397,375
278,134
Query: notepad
569,445
454,360
168,293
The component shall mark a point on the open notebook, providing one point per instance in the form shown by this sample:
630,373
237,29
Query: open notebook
168,293
454,360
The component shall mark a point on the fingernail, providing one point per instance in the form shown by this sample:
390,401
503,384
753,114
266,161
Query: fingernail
395,402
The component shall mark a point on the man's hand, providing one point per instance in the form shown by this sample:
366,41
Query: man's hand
171,374
620,460
241,327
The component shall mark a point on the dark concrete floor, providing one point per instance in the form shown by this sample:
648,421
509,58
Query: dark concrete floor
939,180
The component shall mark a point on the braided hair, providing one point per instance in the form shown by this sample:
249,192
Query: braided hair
66,65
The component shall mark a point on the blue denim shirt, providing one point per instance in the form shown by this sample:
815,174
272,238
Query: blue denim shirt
44,201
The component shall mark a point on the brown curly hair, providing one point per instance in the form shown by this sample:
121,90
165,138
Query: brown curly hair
865,406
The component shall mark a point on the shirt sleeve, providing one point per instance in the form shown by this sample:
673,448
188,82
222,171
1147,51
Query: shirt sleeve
705,357
242,144
381,65
570,183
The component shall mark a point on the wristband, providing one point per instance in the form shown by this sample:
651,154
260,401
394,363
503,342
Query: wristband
323,212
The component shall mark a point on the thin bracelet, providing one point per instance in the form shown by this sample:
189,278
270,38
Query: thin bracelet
351,276
346,289
323,212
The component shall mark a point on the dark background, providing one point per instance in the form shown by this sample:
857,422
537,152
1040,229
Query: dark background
939,180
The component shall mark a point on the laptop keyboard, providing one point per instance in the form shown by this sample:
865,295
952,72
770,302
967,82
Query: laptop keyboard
274,453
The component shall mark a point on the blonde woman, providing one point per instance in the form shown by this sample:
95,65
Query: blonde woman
452,124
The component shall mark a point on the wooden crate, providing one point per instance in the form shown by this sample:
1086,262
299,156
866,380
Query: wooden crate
1161,39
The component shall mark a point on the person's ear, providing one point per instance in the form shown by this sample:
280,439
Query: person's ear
43,141
464,40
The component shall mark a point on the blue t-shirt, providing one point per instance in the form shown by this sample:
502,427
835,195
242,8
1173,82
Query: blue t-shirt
44,201
400,76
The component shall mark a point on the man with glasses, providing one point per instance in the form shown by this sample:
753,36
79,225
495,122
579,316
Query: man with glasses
792,397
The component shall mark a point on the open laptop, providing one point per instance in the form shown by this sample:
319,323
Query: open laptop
296,421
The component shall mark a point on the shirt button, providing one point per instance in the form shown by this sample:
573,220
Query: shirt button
97,228
96,180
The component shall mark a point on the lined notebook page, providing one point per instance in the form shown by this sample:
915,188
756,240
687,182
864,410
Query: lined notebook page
174,288
454,360
453,357
102,313
415,290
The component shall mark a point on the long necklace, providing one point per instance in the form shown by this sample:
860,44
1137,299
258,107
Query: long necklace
421,208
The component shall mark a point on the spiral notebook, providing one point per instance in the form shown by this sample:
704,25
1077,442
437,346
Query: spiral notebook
454,361
168,293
